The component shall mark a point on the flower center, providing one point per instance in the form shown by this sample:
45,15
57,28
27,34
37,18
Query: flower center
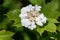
32,15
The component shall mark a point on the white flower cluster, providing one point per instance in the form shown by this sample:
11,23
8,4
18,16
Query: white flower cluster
30,16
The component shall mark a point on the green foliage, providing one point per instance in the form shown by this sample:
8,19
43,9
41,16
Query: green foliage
38,2
6,35
3,25
50,10
51,27
26,37
12,21
40,30
58,27
11,4
35,2
14,15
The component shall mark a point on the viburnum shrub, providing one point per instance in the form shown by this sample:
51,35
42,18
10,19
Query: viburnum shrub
29,19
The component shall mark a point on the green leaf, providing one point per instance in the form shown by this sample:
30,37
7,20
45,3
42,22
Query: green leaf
11,4
50,10
52,20
26,36
59,6
38,2
51,27
14,15
40,30
35,1
6,35
58,27
3,24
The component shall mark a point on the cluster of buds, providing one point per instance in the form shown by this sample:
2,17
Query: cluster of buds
31,16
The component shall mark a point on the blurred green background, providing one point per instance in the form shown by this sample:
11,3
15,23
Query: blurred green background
10,25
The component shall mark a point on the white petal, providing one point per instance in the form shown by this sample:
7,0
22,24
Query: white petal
41,15
23,9
33,22
37,8
30,5
44,20
23,12
37,19
25,22
23,15
39,23
32,27
27,9
32,8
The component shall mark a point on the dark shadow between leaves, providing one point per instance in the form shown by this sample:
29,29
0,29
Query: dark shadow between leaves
47,1
58,19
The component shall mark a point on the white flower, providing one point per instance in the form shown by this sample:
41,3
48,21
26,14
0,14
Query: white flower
30,16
